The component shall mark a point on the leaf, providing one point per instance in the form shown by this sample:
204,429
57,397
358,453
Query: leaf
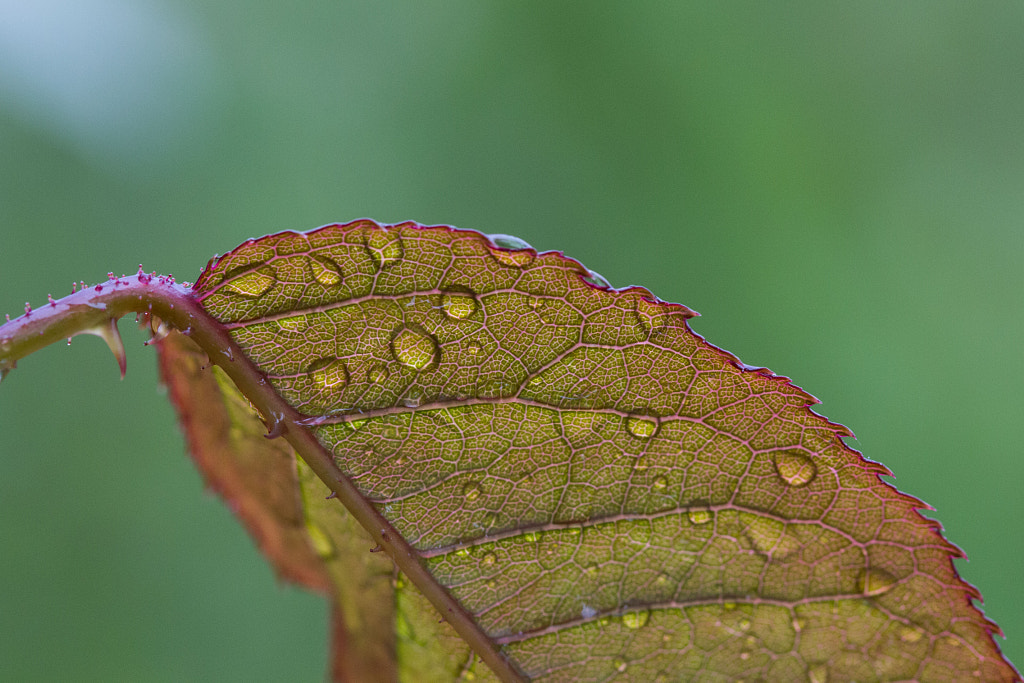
606,495
581,487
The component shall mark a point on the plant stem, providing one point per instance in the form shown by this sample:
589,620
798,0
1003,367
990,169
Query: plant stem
95,310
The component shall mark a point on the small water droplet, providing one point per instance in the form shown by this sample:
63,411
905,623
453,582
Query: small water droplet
620,665
511,251
384,246
492,584
489,560
818,674
325,271
378,373
473,349
660,483
411,401
471,492
873,582
662,580
322,543
458,306
531,536
462,552
296,324
651,315
795,468
587,612
596,279
252,284
415,348
699,515
642,426
329,374
909,634
635,619
590,569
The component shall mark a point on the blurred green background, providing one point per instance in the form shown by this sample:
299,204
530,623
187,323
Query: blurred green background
838,188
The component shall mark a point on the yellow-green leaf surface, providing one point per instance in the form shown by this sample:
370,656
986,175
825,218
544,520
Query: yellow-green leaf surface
608,496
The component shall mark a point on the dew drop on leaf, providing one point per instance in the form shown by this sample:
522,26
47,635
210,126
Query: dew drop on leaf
473,349
635,619
384,246
795,468
329,374
414,348
471,492
531,536
699,515
874,582
325,271
251,285
378,373
642,427
458,306
660,483
489,560
511,251
620,665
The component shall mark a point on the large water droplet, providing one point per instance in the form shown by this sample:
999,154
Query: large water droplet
642,426
329,374
659,483
384,246
596,279
635,619
699,515
873,582
325,271
415,348
795,468
252,285
520,253
651,315
471,492
458,306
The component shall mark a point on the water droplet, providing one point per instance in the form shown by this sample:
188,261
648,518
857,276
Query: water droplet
663,580
744,624
295,324
378,373
651,315
462,552
875,582
818,674
587,612
635,619
660,483
411,401
325,271
699,515
252,284
795,468
620,665
489,560
322,543
909,634
471,492
531,536
642,427
596,279
473,349
492,584
590,569
490,519
329,374
458,306
511,251
384,246
415,348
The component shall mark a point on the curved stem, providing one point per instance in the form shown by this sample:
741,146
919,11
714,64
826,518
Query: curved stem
96,309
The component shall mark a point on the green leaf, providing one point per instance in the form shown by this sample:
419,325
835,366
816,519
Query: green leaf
605,494
538,477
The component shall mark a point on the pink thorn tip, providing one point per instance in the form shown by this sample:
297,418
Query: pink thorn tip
49,297
28,308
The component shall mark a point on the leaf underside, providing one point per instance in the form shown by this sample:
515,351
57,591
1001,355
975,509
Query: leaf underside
609,496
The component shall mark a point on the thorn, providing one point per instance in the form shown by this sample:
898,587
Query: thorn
49,298
333,495
109,333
